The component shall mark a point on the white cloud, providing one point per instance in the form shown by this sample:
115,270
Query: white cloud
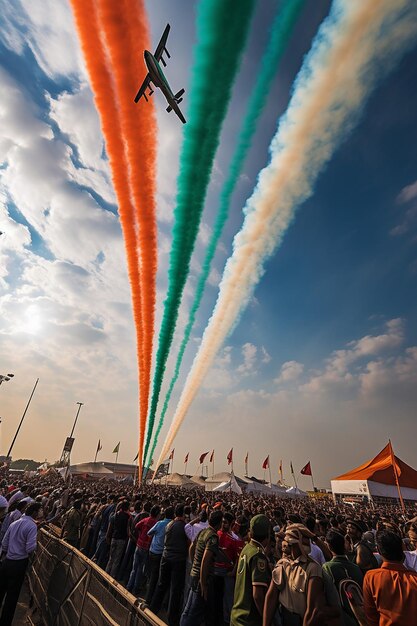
408,197
291,370
249,353
47,27
340,371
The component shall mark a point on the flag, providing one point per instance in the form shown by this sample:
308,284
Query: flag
136,457
280,468
171,456
265,464
212,457
292,469
246,458
99,446
230,457
186,458
116,450
306,471
202,457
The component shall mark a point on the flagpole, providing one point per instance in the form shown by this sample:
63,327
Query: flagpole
185,467
269,467
293,475
312,482
246,464
394,466
212,469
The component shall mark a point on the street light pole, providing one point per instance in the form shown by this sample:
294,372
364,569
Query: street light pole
66,452
80,404
23,417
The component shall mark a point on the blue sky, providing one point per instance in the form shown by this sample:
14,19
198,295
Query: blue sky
323,363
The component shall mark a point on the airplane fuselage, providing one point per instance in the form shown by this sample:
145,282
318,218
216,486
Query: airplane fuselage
157,76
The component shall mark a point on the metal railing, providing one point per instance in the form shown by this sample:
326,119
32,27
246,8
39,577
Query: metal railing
67,589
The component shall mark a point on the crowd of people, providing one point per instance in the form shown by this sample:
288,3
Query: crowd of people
194,557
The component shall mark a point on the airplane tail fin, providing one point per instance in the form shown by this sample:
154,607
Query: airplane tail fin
177,99
178,95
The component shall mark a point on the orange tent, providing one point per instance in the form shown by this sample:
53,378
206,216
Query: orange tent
377,478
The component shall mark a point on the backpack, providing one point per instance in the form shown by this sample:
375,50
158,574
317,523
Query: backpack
351,600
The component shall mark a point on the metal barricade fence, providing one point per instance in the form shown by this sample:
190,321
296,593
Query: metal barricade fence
67,589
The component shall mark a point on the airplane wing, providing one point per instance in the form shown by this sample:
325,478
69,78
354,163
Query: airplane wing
142,89
161,47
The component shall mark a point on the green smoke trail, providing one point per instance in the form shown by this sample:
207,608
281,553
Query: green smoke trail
222,28
280,33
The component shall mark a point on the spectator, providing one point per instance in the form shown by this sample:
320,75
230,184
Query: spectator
119,538
172,569
157,533
340,568
18,544
72,525
297,584
143,542
200,602
390,592
253,576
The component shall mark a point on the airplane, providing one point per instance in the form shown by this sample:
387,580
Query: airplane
156,76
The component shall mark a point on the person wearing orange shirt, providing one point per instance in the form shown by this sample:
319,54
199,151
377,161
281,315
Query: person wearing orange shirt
390,592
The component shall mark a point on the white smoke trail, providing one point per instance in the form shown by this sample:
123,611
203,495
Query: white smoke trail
360,41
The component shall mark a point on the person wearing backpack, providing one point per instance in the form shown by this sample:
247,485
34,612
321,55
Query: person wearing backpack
345,576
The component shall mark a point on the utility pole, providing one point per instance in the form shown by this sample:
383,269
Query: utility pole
64,461
23,417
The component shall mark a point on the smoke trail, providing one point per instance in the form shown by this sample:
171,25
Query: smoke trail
280,33
105,99
357,43
222,27
126,34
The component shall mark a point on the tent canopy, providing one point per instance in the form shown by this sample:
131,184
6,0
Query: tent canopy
90,468
296,492
230,485
380,469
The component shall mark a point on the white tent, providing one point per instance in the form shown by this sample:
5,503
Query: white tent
295,492
222,477
255,487
230,485
277,490
199,481
175,480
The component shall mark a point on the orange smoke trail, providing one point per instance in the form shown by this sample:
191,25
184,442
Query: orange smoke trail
125,29
102,85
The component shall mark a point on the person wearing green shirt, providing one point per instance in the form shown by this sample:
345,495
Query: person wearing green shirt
341,568
72,525
253,576
200,600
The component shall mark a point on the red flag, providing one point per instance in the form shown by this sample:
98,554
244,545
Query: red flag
306,471
212,457
186,458
246,458
171,456
202,457
230,457
265,464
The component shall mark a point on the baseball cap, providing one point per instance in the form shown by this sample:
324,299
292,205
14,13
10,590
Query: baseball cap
259,526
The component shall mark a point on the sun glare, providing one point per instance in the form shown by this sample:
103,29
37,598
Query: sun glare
31,322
